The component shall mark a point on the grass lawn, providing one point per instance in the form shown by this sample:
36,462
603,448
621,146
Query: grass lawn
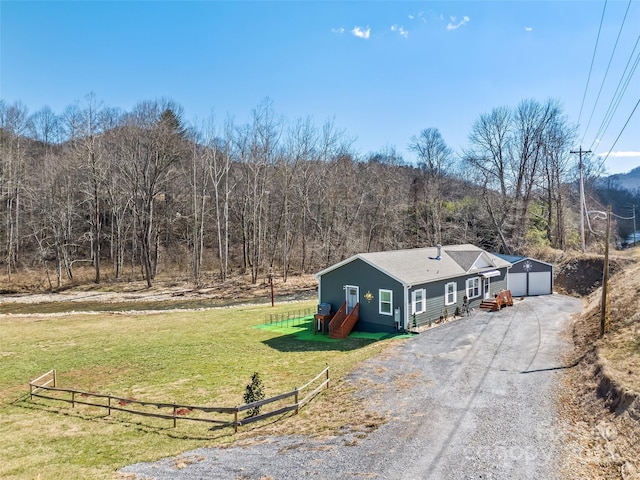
201,357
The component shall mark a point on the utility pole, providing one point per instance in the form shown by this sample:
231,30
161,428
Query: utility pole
604,308
580,152
634,225
271,283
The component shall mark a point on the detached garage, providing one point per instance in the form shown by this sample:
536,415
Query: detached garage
528,276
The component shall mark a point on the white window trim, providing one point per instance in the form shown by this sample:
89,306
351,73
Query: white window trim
380,302
446,293
470,289
423,301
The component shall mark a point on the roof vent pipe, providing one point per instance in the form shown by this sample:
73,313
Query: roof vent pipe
439,247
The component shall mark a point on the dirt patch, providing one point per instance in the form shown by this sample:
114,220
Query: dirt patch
167,293
582,276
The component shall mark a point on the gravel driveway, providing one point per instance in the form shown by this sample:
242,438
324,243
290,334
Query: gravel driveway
473,398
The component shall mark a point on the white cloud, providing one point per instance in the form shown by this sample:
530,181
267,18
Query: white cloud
339,30
620,154
361,33
453,26
529,29
419,16
400,29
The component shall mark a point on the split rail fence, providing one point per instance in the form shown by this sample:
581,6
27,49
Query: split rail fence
45,386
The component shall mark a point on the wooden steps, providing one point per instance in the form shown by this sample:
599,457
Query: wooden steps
341,324
502,299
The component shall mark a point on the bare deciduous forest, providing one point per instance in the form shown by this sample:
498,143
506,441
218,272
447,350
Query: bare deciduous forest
143,190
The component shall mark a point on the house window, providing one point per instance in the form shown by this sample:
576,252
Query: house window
450,293
473,287
386,302
419,300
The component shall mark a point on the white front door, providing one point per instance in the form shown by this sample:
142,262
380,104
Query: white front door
352,298
487,290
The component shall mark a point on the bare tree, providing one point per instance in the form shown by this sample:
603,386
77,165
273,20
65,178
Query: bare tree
44,127
531,120
14,125
257,146
219,151
557,145
119,195
488,161
154,144
507,155
435,160
86,130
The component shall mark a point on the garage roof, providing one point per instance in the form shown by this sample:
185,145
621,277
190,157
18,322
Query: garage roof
513,259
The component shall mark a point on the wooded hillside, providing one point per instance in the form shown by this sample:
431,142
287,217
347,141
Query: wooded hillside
144,190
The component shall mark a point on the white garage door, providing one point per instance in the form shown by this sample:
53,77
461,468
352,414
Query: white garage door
539,283
518,284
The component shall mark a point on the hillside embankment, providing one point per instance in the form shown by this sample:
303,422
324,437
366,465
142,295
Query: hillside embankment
600,400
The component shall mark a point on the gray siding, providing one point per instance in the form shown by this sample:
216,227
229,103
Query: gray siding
368,279
436,308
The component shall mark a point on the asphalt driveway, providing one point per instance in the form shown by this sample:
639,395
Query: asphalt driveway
477,402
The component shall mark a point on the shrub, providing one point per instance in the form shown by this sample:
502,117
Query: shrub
254,393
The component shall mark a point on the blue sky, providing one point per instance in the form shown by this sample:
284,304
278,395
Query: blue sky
381,70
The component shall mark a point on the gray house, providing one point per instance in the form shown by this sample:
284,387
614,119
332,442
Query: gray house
389,288
529,276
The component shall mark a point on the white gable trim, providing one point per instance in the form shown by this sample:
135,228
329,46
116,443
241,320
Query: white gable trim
483,261
534,260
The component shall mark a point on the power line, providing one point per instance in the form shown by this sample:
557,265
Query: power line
602,206
618,137
618,94
595,49
606,71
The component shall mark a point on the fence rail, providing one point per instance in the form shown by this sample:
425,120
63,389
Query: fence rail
47,383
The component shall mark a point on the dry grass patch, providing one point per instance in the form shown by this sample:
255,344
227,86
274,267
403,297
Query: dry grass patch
600,400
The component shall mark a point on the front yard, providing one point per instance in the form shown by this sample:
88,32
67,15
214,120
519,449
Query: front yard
203,357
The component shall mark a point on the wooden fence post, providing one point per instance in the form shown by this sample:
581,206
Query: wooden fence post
327,376
235,421
55,378
73,399
174,415
109,405
296,399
